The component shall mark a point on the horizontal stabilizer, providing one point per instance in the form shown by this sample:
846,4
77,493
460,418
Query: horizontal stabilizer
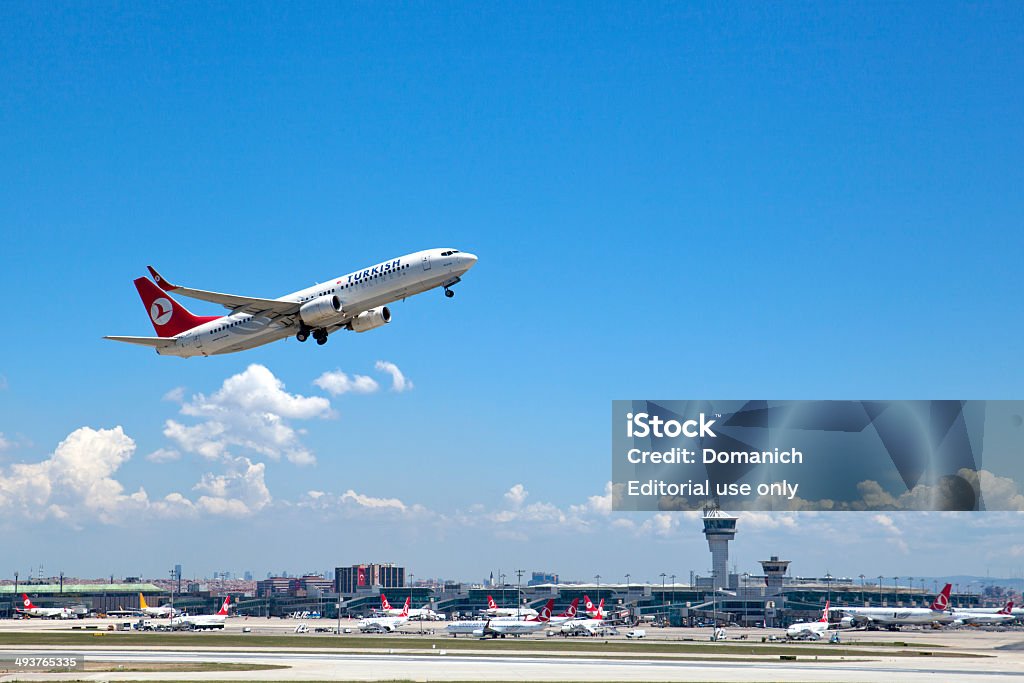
238,304
155,342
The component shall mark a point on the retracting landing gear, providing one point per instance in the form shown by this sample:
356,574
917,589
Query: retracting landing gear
448,285
320,335
303,333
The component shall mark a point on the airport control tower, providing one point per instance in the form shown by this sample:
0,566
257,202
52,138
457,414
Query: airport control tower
774,571
719,529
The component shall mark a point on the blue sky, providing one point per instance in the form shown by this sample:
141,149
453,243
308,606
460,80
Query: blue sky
668,201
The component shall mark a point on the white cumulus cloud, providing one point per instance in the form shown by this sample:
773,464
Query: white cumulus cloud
336,382
399,382
251,411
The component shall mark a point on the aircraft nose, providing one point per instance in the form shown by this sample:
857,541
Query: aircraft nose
468,260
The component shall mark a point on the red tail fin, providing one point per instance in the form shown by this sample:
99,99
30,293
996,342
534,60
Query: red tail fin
168,316
490,603
384,604
941,602
545,613
405,610
824,612
26,601
224,608
571,612
1008,609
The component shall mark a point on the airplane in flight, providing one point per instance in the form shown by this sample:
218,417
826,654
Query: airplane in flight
512,626
165,611
419,613
356,302
494,611
199,622
980,617
894,617
31,610
810,630
386,624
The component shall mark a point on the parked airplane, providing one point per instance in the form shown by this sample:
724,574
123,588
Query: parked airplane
567,615
356,301
592,611
494,611
31,610
414,614
511,626
583,627
386,624
894,617
200,622
165,611
977,617
810,630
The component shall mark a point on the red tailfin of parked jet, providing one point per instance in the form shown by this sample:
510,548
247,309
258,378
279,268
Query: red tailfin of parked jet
224,608
545,613
941,602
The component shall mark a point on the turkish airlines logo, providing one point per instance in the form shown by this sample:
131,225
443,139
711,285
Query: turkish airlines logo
941,601
160,311
27,602
590,605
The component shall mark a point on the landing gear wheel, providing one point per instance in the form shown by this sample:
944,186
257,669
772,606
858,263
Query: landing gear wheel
449,293
321,340
321,336
302,335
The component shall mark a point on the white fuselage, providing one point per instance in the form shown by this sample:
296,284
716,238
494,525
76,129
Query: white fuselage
812,630
591,626
518,613
382,623
158,612
359,291
898,616
981,617
467,627
512,626
199,621
48,612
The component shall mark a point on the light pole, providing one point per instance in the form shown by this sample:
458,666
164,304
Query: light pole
862,588
714,601
879,590
673,600
896,589
746,589
828,585
519,593
627,597
663,589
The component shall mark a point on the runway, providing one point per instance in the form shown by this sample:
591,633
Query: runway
326,666
990,656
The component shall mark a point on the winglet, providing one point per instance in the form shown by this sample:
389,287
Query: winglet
163,284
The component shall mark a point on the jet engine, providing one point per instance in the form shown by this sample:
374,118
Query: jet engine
853,622
320,310
368,320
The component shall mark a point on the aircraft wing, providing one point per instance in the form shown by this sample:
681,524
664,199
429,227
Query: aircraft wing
155,342
233,302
